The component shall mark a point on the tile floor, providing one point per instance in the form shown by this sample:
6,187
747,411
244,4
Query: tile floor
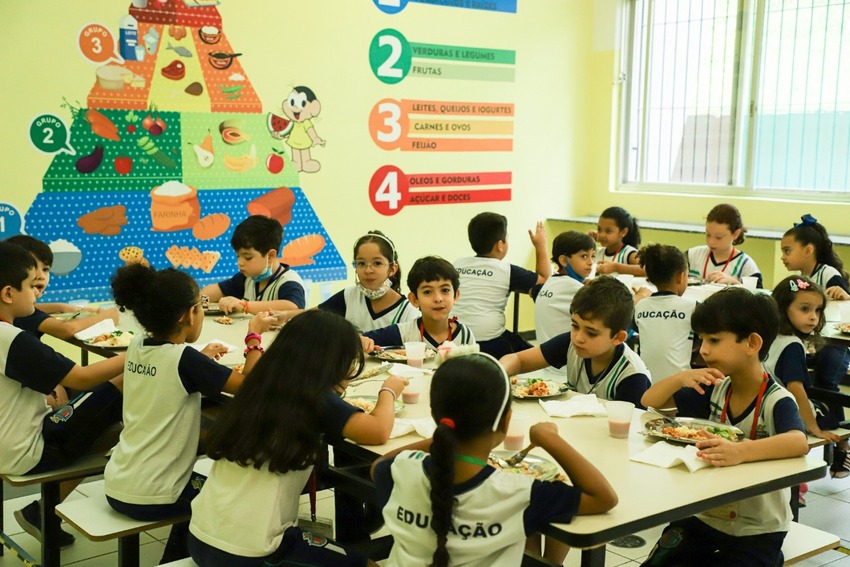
828,509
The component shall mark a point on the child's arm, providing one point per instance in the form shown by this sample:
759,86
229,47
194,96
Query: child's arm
87,377
66,329
527,360
722,453
58,307
375,428
421,445
837,293
798,390
660,394
242,306
213,291
597,494
542,264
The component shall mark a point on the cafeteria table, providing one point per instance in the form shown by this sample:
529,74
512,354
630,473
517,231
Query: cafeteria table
648,496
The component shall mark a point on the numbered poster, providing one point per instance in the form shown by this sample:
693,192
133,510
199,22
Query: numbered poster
171,121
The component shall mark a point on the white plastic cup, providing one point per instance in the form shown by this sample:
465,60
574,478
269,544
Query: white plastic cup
415,353
515,439
619,418
750,282
411,392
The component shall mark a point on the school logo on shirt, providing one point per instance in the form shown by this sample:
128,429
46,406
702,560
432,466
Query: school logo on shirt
62,414
314,540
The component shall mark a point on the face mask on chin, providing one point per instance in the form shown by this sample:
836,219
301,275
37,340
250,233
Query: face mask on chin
378,293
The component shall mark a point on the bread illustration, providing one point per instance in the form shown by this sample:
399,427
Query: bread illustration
133,255
106,221
300,251
276,204
211,226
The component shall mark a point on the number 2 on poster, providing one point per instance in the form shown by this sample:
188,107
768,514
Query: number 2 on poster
390,56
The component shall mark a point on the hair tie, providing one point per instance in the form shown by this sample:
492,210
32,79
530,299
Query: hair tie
808,220
448,422
798,284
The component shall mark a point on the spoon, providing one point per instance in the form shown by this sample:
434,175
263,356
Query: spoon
667,418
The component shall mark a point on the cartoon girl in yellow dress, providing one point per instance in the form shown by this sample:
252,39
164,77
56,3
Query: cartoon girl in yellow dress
301,106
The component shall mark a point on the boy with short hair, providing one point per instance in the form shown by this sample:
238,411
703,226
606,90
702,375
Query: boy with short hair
263,283
598,359
737,328
31,438
40,322
488,280
434,288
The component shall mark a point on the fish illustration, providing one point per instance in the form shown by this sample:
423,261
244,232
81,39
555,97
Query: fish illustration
179,50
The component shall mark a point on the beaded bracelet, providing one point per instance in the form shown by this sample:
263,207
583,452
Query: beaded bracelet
253,347
245,307
385,389
250,336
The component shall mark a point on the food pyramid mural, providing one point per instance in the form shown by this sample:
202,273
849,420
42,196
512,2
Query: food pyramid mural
173,150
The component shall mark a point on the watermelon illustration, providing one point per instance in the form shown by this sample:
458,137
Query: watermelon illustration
279,126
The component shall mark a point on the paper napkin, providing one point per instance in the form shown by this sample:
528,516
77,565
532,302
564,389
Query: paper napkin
230,347
666,456
581,404
424,427
406,371
99,328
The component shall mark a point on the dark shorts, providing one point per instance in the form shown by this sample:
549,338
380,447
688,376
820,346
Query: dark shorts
693,543
507,343
297,549
73,430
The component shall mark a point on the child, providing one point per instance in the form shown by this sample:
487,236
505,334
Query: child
263,283
148,476
453,488
488,280
719,261
597,358
267,440
375,301
619,236
663,318
35,440
807,247
572,252
801,304
40,322
737,328
434,288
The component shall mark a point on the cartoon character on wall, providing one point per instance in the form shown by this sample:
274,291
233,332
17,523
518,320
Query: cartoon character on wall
301,106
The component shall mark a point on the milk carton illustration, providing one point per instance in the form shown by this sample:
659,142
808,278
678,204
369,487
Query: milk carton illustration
128,37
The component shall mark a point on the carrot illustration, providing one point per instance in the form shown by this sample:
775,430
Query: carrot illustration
100,124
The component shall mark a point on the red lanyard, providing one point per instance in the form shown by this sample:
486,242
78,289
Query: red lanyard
614,255
723,269
422,329
755,413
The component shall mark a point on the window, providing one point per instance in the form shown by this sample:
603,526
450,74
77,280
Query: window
752,94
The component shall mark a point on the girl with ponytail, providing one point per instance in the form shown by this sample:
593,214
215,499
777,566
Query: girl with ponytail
443,503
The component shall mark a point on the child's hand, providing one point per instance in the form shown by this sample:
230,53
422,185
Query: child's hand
396,384
835,292
230,304
642,293
722,278
593,234
58,397
538,237
699,377
262,322
720,452
110,313
214,350
368,344
828,435
540,432
604,267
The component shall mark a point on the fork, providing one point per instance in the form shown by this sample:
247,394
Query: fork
518,457
666,418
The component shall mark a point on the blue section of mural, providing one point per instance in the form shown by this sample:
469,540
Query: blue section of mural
85,274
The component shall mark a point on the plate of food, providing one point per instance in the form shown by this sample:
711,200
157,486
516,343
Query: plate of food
116,340
212,309
531,465
843,328
536,388
372,372
398,354
367,403
691,430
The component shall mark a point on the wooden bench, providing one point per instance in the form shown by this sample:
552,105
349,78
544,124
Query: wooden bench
89,465
805,541
94,518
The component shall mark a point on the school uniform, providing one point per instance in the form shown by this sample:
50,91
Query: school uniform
33,438
701,262
357,308
552,300
283,284
626,377
163,384
245,515
31,323
621,256
826,276
663,321
487,283
763,520
412,331
494,514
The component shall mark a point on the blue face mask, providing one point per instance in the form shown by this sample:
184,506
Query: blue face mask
264,275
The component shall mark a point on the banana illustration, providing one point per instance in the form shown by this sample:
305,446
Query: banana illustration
242,163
